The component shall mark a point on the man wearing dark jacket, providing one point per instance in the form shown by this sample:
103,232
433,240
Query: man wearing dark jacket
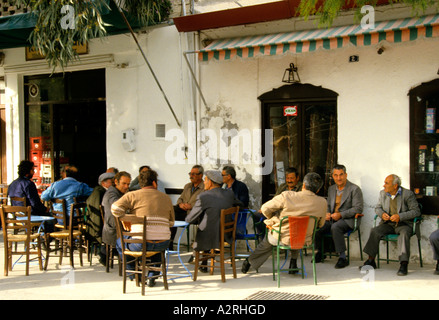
345,200
109,234
208,208
239,188
94,223
24,187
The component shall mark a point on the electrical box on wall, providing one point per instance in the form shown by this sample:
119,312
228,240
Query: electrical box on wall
128,140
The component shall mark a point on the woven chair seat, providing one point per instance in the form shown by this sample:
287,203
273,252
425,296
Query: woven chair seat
21,237
138,254
64,234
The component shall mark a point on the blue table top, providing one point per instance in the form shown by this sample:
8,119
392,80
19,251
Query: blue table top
37,218
179,223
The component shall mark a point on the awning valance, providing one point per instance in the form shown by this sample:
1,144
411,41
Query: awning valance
393,31
15,29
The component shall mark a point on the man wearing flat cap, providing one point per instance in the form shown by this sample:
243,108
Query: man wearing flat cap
94,223
207,212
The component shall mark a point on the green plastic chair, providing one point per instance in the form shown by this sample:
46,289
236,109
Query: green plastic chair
394,238
298,227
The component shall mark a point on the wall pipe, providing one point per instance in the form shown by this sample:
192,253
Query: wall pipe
147,63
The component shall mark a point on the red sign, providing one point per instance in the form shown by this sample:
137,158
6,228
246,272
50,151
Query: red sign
290,111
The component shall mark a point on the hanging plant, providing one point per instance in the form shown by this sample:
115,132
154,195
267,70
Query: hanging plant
147,12
61,24
328,10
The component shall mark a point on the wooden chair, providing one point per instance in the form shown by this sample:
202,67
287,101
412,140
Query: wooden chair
60,215
298,226
23,204
18,199
109,250
15,218
139,257
71,232
228,221
3,194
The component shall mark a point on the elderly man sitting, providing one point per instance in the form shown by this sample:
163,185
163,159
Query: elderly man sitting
397,207
208,208
94,223
303,203
68,188
158,209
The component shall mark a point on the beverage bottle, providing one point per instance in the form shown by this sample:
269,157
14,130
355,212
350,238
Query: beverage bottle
431,161
421,158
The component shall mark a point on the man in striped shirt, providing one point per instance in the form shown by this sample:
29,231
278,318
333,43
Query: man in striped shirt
158,209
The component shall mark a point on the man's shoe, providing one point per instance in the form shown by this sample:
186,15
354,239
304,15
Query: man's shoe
103,261
245,266
319,257
341,263
369,262
150,283
437,269
293,265
191,259
202,269
402,269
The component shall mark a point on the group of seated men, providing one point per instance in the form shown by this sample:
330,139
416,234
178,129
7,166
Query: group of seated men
397,207
117,195
201,203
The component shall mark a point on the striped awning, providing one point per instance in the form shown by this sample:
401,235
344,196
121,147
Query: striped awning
393,31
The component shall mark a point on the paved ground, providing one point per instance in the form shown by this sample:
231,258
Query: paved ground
92,282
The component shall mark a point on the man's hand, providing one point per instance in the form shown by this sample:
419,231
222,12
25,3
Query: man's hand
328,216
336,216
185,206
395,218
385,217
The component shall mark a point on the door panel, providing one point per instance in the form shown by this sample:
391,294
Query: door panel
306,141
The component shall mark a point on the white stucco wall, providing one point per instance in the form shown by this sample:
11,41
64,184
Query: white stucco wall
134,100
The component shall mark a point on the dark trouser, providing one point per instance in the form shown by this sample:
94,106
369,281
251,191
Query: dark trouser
263,252
150,246
403,230
337,230
49,226
434,241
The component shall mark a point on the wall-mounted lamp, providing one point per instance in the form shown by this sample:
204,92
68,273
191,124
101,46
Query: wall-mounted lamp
291,75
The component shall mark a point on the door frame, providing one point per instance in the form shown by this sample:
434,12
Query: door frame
296,93
3,163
